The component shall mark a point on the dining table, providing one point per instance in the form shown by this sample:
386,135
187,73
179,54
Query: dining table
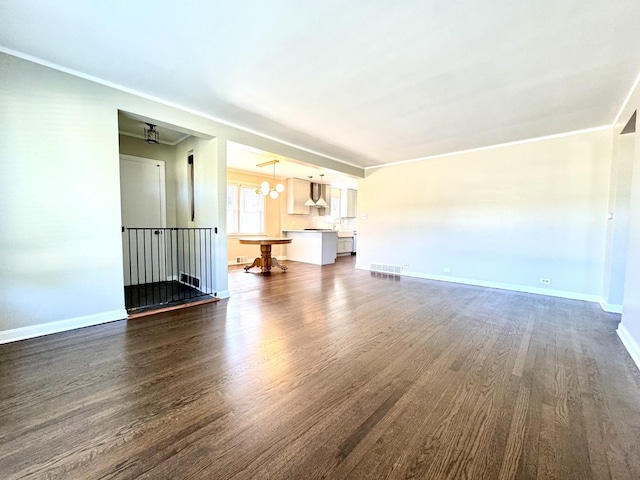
265,261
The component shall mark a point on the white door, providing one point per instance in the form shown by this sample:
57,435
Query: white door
142,197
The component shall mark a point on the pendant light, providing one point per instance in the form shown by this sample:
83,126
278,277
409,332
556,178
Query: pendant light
151,135
321,201
265,188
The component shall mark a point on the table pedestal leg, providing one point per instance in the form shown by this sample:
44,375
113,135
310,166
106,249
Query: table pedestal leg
265,251
256,263
275,263
265,261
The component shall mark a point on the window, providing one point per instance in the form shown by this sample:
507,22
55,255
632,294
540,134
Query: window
245,210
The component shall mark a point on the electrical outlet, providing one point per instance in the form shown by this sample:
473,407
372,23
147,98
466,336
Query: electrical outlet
545,281
405,265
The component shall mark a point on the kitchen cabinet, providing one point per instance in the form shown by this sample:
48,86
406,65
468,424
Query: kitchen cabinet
345,245
297,195
348,203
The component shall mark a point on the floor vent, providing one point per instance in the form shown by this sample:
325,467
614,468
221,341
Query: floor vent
240,260
189,280
387,269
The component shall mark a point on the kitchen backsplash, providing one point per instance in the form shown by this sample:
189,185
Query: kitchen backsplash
313,220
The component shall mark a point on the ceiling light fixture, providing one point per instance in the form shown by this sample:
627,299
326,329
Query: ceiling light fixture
151,135
321,201
265,188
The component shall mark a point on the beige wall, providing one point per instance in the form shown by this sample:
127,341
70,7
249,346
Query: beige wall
502,217
137,147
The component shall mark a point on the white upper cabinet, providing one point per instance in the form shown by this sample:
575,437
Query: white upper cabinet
297,195
349,203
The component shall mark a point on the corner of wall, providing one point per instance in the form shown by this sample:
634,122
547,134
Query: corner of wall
629,343
610,307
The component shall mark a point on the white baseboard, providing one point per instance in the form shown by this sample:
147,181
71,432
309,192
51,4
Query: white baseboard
629,343
223,294
610,307
501,286
33,331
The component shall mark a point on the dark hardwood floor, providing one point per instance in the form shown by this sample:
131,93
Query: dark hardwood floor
329,372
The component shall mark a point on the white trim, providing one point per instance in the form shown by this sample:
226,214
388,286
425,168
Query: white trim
115,86
501,286
491,147
610,307
629,343
223,294
626,101
33,331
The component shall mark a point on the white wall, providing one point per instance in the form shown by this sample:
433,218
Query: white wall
618,224
504,217
205,183
629,329
60,252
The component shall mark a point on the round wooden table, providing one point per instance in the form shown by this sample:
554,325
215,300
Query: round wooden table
265,261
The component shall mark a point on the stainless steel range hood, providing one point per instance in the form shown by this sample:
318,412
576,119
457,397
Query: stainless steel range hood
317,196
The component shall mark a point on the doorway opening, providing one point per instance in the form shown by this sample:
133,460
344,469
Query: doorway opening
166,264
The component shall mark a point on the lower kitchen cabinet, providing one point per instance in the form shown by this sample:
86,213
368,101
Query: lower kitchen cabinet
345,245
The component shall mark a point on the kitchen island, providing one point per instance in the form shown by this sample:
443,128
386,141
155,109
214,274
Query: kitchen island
318,247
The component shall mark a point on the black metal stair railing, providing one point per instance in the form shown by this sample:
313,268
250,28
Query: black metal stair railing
166,266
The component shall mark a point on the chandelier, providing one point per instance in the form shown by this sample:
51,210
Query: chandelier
265,188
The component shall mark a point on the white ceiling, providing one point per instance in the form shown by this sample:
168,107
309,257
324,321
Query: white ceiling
362,81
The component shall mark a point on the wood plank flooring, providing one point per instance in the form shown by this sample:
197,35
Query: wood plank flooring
329,372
